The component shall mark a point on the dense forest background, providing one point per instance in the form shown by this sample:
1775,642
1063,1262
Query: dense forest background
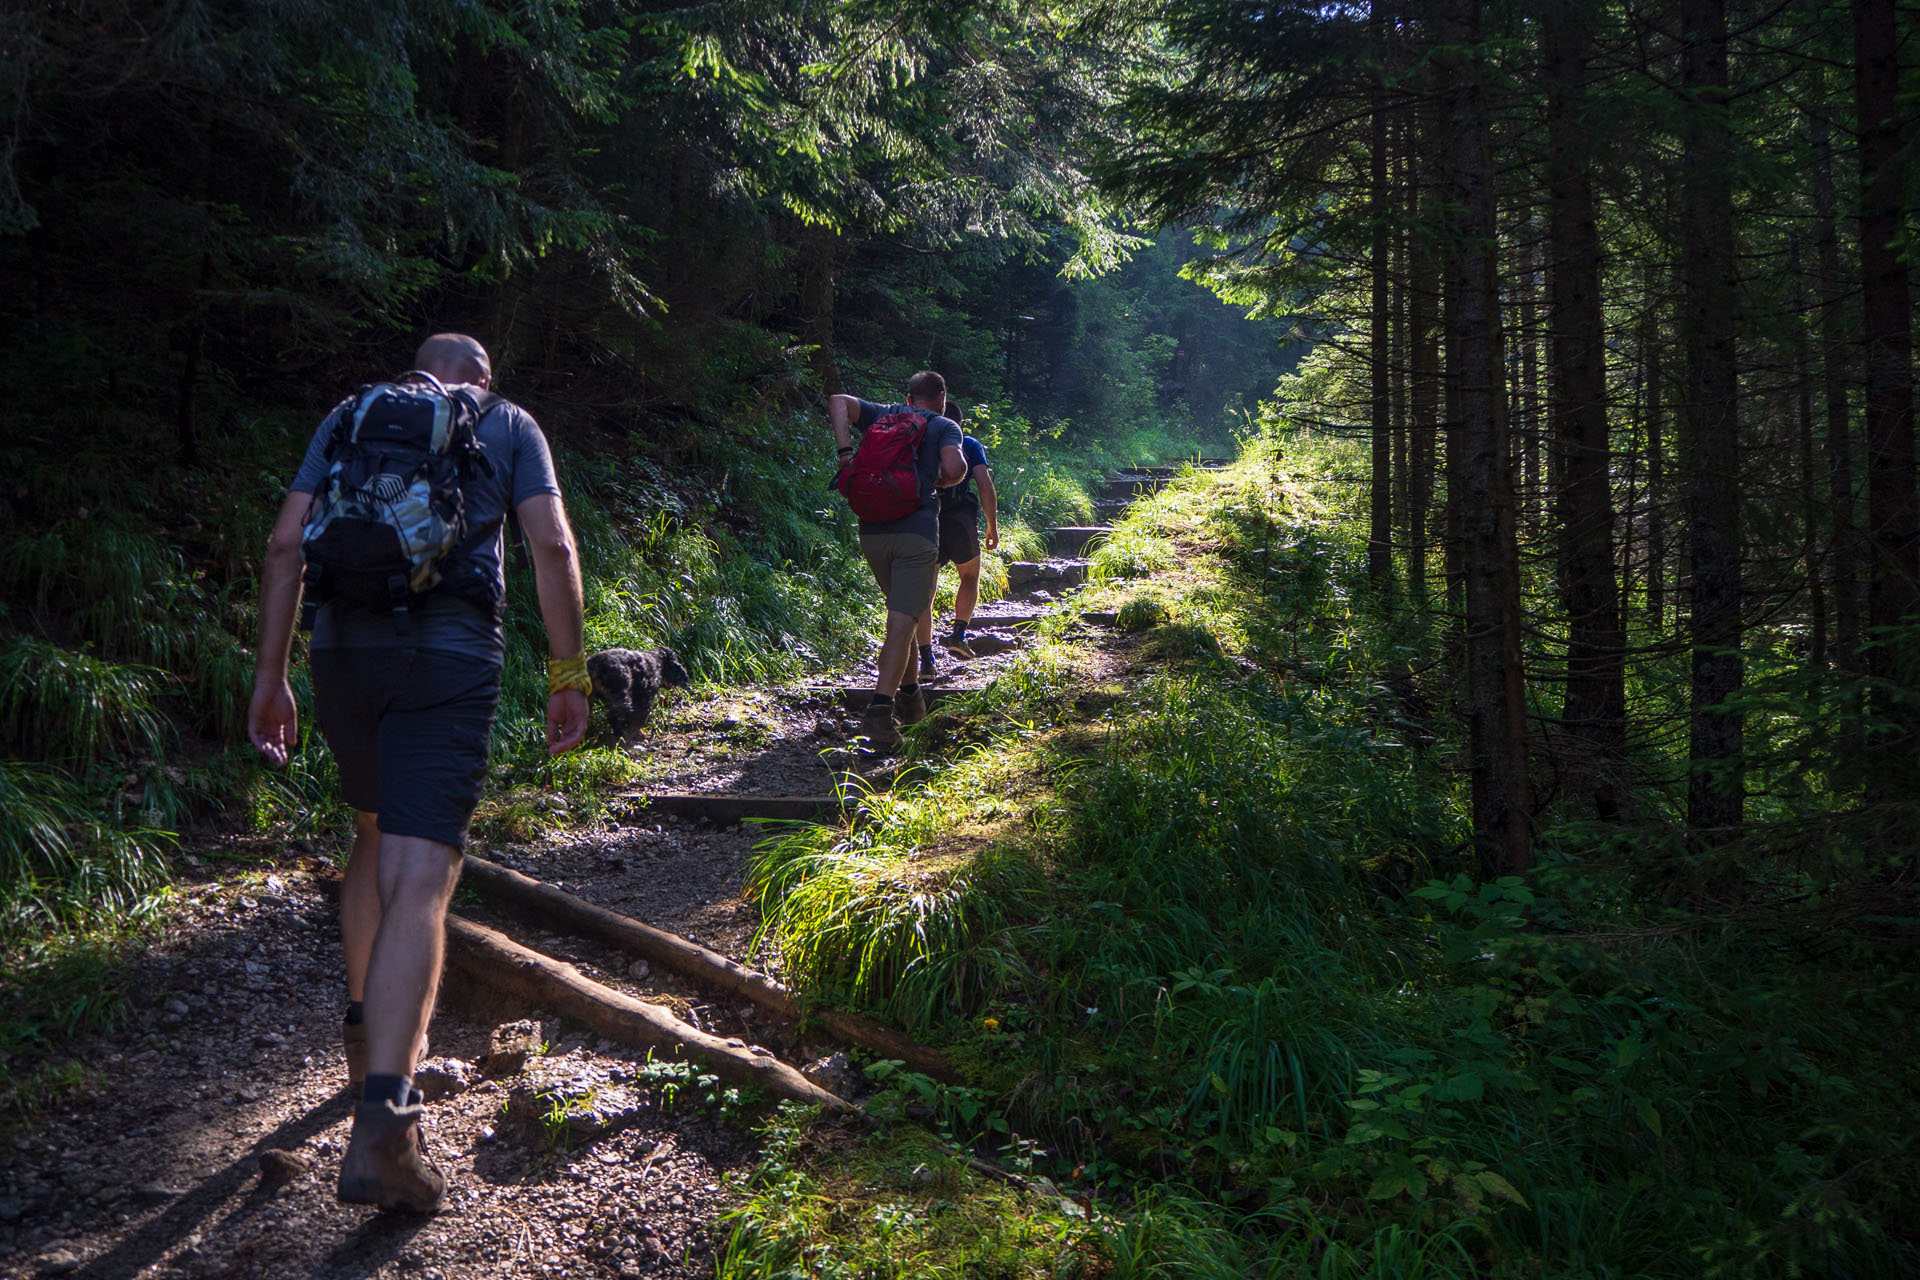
1608,660
675,229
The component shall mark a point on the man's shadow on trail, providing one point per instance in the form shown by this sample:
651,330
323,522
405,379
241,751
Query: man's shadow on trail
374,1242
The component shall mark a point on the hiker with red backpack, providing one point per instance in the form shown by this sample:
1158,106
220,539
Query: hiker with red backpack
393,529
907,453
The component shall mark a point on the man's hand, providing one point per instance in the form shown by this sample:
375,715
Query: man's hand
993,538
566,721
272,720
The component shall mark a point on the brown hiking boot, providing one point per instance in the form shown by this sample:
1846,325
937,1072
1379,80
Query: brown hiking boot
387,1163
911,707
878,726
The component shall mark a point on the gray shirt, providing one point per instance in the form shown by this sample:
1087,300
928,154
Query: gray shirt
940,432
522,469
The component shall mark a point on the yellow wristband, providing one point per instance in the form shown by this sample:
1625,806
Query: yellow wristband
568,673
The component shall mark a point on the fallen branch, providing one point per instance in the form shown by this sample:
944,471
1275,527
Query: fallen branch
548,905
492,959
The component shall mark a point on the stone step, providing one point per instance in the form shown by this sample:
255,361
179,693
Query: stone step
726,810
1072,539
1054,575
1127,488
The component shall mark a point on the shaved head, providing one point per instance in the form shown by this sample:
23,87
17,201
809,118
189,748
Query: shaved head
454,357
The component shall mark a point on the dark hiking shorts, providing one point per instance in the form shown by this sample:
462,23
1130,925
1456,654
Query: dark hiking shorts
906,566
959,535
409,728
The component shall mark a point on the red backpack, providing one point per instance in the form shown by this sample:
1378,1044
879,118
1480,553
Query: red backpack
881,481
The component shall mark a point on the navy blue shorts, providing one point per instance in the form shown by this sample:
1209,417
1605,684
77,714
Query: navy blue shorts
410,729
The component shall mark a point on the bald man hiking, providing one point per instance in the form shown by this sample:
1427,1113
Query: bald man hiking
907,452
392,531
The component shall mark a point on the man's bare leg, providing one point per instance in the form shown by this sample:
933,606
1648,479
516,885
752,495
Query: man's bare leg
360,901
967,595
403,975
897,651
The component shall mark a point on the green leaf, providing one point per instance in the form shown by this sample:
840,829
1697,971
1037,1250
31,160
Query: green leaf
1648,1114
1496,1185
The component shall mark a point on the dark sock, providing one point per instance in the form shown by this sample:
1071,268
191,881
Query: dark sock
395,1089
356,1012
926,651
959,629
881,700
908,690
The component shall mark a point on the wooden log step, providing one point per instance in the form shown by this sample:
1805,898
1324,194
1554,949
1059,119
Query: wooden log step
502,967
724,809
547,905
1072,539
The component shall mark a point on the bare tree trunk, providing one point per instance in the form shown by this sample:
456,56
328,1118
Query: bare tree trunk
1650,352
1424,401
1810,514
1717,785
1380,526
1893,505
1843,547
820,259
1595,711
1533,503
1495,714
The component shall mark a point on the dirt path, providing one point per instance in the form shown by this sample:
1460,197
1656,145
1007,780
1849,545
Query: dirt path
212,1139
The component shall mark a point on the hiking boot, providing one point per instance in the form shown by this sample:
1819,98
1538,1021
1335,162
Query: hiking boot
911,707
878,726
926,661
387,1163
959,648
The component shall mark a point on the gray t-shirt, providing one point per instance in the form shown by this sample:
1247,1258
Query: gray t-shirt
940,432
522,469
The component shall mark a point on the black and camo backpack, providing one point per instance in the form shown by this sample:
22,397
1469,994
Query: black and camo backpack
389,516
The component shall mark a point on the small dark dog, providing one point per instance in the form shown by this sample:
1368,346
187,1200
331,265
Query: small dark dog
627,681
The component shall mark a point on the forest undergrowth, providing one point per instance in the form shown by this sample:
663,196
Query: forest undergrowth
127,621
1207,935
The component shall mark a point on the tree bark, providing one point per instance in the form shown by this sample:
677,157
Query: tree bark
556,907
1484,499
1843,543
1380,407
496,962
1595,710
1893,506
1656,373
1716,737
1423,288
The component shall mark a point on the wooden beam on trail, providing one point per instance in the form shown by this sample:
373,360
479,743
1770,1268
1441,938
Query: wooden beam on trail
547,905
724,809
490,958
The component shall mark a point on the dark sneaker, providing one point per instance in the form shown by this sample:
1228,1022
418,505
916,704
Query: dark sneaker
958,647
387,1163
878,725
911,707
926,661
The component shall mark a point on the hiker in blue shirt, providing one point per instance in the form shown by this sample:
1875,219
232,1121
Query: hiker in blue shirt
960,546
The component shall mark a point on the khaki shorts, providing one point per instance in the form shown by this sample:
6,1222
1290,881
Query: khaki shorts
906,566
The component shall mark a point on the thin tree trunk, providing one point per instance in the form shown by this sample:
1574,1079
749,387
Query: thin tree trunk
1810,514
1380,526
1893,505
1650,350
1534,501
1843,546
1484,500
1595,710
1424,404
1716,785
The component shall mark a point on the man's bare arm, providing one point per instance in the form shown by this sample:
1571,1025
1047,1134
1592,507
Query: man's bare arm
271,717
556,573
841,411
953,467
990,503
